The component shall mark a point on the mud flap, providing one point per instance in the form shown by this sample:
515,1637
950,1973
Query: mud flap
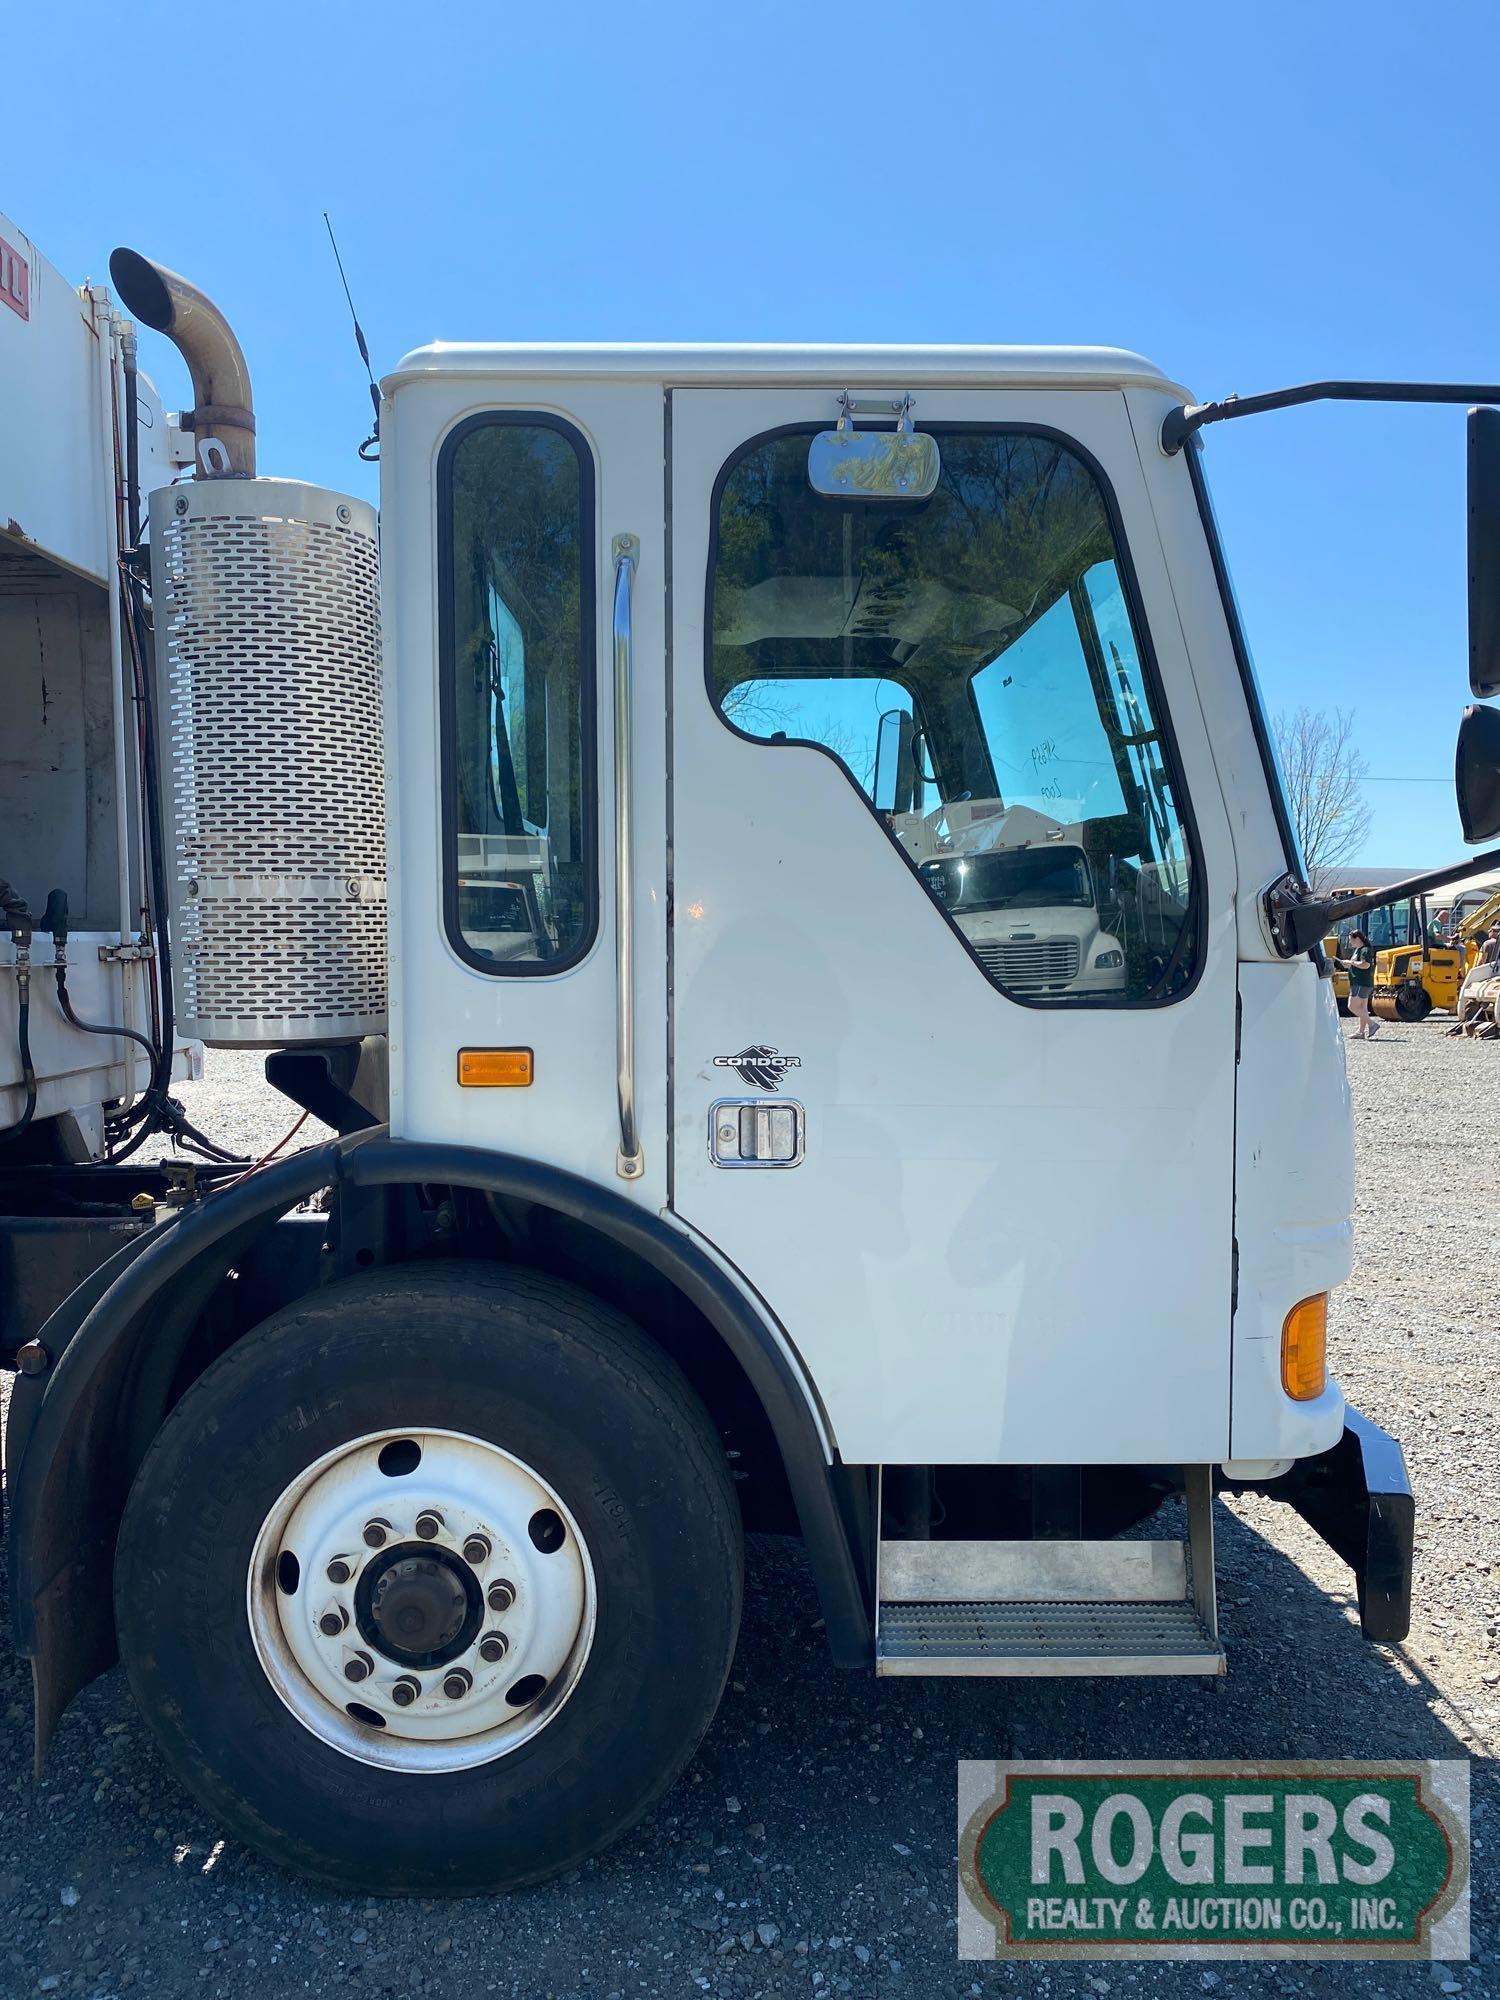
1358,1498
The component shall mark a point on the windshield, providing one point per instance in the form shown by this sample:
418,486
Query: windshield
1023,879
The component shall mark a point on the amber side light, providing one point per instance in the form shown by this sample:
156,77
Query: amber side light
495,1069
1304,1349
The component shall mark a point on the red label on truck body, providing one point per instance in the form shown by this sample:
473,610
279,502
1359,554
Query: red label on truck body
15,279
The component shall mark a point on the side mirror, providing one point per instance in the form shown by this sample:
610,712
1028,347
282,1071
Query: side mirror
895,766
1484,553
1476,774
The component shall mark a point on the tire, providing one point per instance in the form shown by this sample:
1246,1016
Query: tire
1413,1001
482,1356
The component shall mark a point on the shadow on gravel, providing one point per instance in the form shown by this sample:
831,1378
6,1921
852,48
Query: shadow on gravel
809,1849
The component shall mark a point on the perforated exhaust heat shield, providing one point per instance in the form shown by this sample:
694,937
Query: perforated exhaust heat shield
266,597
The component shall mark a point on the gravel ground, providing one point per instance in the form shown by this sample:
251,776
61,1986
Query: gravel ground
810,1849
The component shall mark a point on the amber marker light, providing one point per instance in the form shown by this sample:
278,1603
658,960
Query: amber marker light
495,1069
1304,1349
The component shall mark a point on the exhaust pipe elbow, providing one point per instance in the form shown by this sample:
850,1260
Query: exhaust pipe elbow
222,405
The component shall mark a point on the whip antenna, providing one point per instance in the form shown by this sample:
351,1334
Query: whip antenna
359,341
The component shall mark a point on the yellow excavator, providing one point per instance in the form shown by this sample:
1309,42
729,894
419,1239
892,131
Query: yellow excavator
1476,913
1479,1001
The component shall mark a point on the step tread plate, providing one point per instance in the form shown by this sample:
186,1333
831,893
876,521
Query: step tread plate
1045,1639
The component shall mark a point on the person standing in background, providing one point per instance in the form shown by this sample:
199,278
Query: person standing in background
1360,966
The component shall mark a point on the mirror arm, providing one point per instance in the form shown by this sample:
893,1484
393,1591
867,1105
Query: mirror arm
1181,424
1300,922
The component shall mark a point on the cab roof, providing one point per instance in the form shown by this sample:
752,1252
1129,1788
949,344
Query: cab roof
689,362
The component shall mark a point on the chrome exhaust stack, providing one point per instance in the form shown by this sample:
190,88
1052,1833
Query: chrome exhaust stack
223,416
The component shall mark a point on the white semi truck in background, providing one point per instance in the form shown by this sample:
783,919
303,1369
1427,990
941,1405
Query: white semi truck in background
777,877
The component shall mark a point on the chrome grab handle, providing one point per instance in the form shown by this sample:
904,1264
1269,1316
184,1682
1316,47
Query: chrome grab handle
629,1162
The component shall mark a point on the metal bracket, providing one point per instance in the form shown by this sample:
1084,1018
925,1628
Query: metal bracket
125,954
181,1177
1198,1492
900,407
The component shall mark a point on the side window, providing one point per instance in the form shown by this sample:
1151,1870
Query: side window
871,725
974,662
515,500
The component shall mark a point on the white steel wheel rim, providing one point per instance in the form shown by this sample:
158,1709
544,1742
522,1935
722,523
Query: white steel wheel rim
342,1681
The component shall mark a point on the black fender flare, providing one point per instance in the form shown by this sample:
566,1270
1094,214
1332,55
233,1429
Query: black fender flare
70,1468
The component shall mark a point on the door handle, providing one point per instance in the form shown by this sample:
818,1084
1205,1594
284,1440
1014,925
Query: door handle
756,1132
630,1163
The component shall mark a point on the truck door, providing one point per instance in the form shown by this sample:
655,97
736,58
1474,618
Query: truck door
509,946
953,992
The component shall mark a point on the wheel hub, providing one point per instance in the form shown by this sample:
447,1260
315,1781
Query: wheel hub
418,1604
421,1600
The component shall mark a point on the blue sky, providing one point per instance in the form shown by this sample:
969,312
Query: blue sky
1250,195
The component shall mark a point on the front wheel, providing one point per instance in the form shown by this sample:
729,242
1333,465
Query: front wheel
1413,1001
431,1583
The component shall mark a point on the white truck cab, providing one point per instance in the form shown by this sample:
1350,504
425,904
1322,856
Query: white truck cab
838,1045
1024,895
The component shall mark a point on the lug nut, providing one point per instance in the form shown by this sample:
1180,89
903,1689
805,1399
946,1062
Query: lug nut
501,1595
457,1682
405,1691
477,1550
333,1621
376,1532
358,1667
340,1570
494,1646
429,1524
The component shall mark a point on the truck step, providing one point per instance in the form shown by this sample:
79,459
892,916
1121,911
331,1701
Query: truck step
1045,1639
1053,1607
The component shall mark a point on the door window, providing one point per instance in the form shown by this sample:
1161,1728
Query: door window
976,665
516,560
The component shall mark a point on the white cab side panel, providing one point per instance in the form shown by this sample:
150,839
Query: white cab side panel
1294,1197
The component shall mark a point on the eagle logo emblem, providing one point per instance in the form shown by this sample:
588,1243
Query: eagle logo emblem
764,1067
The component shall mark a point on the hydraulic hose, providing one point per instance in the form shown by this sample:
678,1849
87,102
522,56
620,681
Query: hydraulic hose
170,1116
199,1142
132,436
148,1112
18,921
28,1074
94,1027
157,1109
